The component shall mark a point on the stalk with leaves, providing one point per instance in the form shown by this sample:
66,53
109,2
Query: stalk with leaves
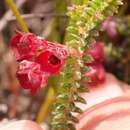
86,17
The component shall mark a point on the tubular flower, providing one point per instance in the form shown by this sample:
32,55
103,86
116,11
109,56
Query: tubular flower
96,52
26,45
30,76
38,59
60,51
96,74
50,62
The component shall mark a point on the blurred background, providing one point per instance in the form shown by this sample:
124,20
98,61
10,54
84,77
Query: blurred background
47,18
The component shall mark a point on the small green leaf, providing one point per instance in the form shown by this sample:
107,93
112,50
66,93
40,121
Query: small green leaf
71,126
84,78
86,47
72,118
60,107
88,59
86,69
83,89
75,109
66,85
69,75
62,96
59,116
77,98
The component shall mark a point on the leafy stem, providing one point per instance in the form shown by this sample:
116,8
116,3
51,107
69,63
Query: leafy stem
86,17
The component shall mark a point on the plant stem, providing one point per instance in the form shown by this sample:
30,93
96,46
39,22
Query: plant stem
83,27
45,105
16,12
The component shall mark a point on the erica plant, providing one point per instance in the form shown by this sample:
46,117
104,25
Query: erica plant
72,66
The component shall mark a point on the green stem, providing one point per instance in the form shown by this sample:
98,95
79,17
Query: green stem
83,27
16,12
45,106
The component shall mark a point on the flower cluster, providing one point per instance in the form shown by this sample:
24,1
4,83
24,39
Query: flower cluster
97,72
38,59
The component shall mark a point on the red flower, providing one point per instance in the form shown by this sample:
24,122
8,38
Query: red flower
30,76
96,51
50,62
25,45
96,74
60,51
38,59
